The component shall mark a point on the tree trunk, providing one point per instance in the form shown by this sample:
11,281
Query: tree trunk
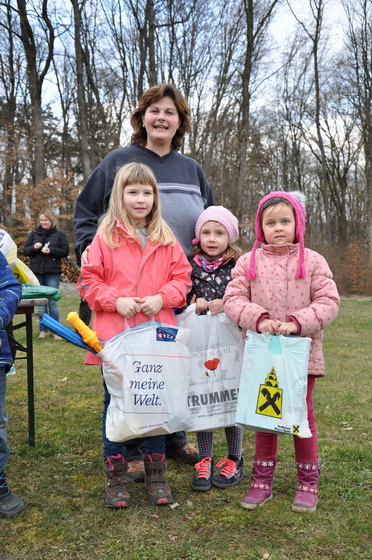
83,117
324,179
35,82
257,17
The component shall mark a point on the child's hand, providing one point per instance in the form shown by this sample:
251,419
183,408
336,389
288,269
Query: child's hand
287,328
151,305
201,305
128,306
85,256
269,326
277,327
215,306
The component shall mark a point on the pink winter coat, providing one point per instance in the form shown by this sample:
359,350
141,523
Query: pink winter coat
312,302
129,271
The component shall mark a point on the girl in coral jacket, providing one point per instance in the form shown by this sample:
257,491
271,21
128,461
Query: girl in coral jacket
137,271
283,288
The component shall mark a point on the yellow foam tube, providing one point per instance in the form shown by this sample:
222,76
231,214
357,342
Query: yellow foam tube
90,337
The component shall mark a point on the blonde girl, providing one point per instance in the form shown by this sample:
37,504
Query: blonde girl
136,271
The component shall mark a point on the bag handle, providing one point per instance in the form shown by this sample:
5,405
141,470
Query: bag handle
275,346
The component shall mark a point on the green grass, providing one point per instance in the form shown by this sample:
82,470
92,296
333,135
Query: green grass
61,479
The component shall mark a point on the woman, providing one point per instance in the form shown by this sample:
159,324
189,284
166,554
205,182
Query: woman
160,123
46,246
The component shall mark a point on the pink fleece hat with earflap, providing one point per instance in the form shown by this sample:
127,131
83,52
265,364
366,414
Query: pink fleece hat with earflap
297,201
223,216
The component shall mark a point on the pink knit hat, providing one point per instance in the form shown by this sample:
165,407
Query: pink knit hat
297,201
221,215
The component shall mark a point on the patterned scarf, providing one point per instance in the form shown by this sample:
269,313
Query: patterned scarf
210,266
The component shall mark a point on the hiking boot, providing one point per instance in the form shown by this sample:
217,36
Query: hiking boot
156,486
231,472
186,454
307,491
202,481
117,494
261,487
10,504
136,471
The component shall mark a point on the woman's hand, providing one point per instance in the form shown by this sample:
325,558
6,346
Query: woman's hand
38,245
127,306
45,250
151,305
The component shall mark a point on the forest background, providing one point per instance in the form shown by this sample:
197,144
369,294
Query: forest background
280,93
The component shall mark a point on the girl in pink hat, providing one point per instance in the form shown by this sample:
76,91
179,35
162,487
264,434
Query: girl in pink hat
283,288
215,256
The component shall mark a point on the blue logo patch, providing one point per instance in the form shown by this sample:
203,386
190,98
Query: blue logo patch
166,334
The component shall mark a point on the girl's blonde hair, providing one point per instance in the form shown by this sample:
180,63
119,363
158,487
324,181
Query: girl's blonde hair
157,230
50,216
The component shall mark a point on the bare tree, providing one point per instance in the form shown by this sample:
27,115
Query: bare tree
9,76
81,98
257,16
314,33
37,69
359,14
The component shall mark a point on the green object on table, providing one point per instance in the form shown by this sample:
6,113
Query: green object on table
30,291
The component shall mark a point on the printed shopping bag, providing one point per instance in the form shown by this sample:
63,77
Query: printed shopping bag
273,385
147,373
216,348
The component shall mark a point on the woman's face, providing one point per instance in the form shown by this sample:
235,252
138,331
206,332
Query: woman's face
161,121
44,222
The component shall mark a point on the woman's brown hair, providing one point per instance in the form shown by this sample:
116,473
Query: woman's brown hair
152,95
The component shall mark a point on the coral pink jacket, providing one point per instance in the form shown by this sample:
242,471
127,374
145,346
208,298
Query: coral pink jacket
312,302
129,271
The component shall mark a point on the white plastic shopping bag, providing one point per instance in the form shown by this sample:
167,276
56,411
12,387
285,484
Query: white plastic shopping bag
216,348
273,385
147,373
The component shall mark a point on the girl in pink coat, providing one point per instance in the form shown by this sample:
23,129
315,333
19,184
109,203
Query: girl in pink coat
283,288
137,271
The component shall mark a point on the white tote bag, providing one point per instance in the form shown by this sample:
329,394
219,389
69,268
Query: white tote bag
216,348
147,373
273,385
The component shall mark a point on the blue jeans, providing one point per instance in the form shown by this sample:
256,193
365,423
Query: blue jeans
154,444
52,281
4,449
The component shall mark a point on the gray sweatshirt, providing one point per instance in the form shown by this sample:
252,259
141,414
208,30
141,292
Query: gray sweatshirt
184,192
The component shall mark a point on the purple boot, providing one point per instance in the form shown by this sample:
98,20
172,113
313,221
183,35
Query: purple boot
261,487
307,491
